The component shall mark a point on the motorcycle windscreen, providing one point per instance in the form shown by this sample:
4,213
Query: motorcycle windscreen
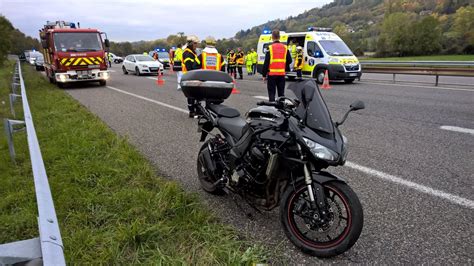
313,109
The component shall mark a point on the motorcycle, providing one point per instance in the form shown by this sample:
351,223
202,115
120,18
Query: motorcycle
276,158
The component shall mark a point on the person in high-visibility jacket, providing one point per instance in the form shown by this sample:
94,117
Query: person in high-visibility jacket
292,50
231,64
191,62
239,60
254,61
177,63
299,61
248,62
210,58
277,62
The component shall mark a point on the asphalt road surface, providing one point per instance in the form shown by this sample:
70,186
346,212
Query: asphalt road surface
411,161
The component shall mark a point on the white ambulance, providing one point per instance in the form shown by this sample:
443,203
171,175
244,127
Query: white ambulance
322,50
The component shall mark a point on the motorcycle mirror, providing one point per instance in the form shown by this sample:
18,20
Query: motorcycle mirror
357,105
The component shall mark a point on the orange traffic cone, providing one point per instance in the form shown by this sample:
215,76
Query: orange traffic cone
326,85
160,81
234,89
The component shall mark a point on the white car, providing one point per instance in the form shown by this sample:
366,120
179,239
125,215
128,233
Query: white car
116,59
141,64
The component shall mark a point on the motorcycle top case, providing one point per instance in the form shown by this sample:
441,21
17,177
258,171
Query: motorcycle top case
207,85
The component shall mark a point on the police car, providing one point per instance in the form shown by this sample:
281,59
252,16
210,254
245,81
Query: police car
322,50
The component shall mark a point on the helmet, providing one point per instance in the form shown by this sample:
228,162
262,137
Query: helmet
210,40
299,48
192,38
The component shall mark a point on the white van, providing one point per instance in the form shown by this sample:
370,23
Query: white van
322,50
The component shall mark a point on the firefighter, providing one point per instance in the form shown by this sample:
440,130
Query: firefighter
210,58
239,60
277,62
299,61
254,61
248,62
231,64
191,62
177,63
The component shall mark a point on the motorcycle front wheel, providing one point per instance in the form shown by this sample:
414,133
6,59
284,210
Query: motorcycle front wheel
206,178
322,236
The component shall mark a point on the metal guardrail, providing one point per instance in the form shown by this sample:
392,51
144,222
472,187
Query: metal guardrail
48,247
429,68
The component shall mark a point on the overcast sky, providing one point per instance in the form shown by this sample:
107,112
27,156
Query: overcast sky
153,19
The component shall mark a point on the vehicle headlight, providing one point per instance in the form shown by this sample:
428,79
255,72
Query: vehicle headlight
320,151
334,60
63,77
105,75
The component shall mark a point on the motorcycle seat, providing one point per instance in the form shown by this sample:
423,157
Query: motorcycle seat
224,111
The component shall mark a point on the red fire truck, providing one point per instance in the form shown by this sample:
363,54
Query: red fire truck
72,54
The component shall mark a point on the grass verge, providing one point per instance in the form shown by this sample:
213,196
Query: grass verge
111,206
423,58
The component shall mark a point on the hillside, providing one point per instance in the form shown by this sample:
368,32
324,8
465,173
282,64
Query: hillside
377,26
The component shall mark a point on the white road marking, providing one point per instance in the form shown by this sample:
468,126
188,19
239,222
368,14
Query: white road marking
149,100
415,86
458,129
261,97
394,179
421,188
110,70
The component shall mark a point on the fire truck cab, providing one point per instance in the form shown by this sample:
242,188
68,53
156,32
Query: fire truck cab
72,54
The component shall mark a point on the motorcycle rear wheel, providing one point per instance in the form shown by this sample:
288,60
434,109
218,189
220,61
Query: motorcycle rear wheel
206,179
337,234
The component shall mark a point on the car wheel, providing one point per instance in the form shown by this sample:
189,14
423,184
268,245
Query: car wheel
124,70
102,82
137,71
320,76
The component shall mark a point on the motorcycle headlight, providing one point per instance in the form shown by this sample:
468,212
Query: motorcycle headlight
320,151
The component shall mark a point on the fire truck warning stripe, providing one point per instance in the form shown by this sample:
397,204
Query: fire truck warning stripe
74,61
87,61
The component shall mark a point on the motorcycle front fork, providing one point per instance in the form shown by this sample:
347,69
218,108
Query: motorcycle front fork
315,190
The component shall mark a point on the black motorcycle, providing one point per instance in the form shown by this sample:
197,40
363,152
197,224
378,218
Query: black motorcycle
276,157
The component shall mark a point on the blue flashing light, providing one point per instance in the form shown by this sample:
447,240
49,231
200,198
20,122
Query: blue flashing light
174,48
266,32
163,50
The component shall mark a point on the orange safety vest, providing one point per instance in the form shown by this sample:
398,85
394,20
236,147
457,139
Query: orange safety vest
211,61
183,65
277,65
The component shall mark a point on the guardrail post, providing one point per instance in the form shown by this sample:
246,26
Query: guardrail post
9,130
437,78
12,101
393,78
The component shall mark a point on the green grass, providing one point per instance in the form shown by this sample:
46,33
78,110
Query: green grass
424,58
111,206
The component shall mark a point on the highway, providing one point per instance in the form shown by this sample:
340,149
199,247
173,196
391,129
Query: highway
411,160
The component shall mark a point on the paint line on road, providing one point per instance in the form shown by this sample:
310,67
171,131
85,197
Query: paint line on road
261,97
421,188
415,86
149,100
458,129
111,70
394,179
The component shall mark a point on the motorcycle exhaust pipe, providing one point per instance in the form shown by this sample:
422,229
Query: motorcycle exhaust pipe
206,159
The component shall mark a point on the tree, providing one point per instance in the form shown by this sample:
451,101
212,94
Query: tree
426,36
395,35
463,26
6,29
